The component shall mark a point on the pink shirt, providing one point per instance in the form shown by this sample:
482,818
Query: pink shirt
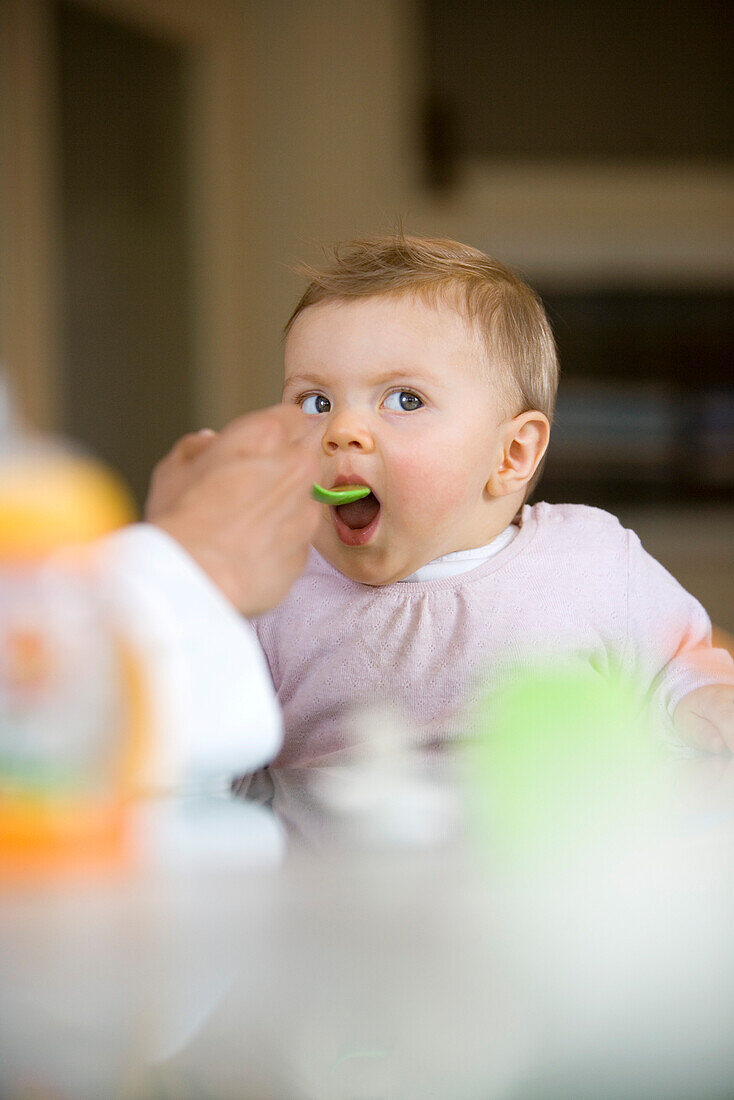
573,586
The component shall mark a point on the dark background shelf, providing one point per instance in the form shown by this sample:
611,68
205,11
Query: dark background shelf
646,403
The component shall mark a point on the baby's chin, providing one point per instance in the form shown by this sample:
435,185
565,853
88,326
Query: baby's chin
367,564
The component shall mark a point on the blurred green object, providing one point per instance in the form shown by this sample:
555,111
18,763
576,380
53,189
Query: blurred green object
559,758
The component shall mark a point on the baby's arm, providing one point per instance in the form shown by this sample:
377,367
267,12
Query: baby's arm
670,643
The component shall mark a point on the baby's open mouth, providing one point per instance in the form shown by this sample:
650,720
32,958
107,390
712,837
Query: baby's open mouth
356,523
360,513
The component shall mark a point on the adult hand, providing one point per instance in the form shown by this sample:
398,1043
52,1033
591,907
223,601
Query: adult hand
238,501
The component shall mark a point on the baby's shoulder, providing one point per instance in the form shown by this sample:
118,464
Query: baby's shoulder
577,548
574,515
578,525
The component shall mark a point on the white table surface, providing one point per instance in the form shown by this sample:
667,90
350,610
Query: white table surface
381,969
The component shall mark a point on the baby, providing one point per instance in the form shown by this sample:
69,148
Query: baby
428,372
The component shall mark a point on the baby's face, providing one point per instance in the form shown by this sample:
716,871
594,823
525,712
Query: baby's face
398,395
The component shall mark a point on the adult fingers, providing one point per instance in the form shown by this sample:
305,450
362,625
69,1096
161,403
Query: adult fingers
174,473
283,481
241,488
264,432
189,446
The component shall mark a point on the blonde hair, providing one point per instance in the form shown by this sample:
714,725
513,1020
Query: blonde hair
503,310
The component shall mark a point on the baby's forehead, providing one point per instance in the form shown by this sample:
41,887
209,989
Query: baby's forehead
403,318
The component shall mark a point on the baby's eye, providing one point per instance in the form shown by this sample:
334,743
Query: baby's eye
315,403
403,401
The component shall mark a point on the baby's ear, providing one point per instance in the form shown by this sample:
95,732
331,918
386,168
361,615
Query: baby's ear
524,442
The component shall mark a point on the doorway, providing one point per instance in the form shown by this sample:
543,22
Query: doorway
124,289
125,292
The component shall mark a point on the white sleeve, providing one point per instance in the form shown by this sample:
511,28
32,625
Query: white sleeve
214,711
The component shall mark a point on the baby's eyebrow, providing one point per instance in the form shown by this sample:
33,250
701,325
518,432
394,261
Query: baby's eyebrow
406,375
302,379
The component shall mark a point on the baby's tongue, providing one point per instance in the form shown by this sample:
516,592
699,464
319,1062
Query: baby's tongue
360,513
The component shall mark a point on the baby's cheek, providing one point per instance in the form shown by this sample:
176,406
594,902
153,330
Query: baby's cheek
425,493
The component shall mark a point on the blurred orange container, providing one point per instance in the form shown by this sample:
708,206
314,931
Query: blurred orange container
72,700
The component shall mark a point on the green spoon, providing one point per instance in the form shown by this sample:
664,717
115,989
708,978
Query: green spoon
344,494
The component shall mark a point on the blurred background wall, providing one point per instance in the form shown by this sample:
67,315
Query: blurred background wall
163,162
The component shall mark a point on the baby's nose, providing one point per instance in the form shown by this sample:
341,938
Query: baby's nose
346,431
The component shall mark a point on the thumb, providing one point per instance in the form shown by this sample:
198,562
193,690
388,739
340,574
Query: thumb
193,444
